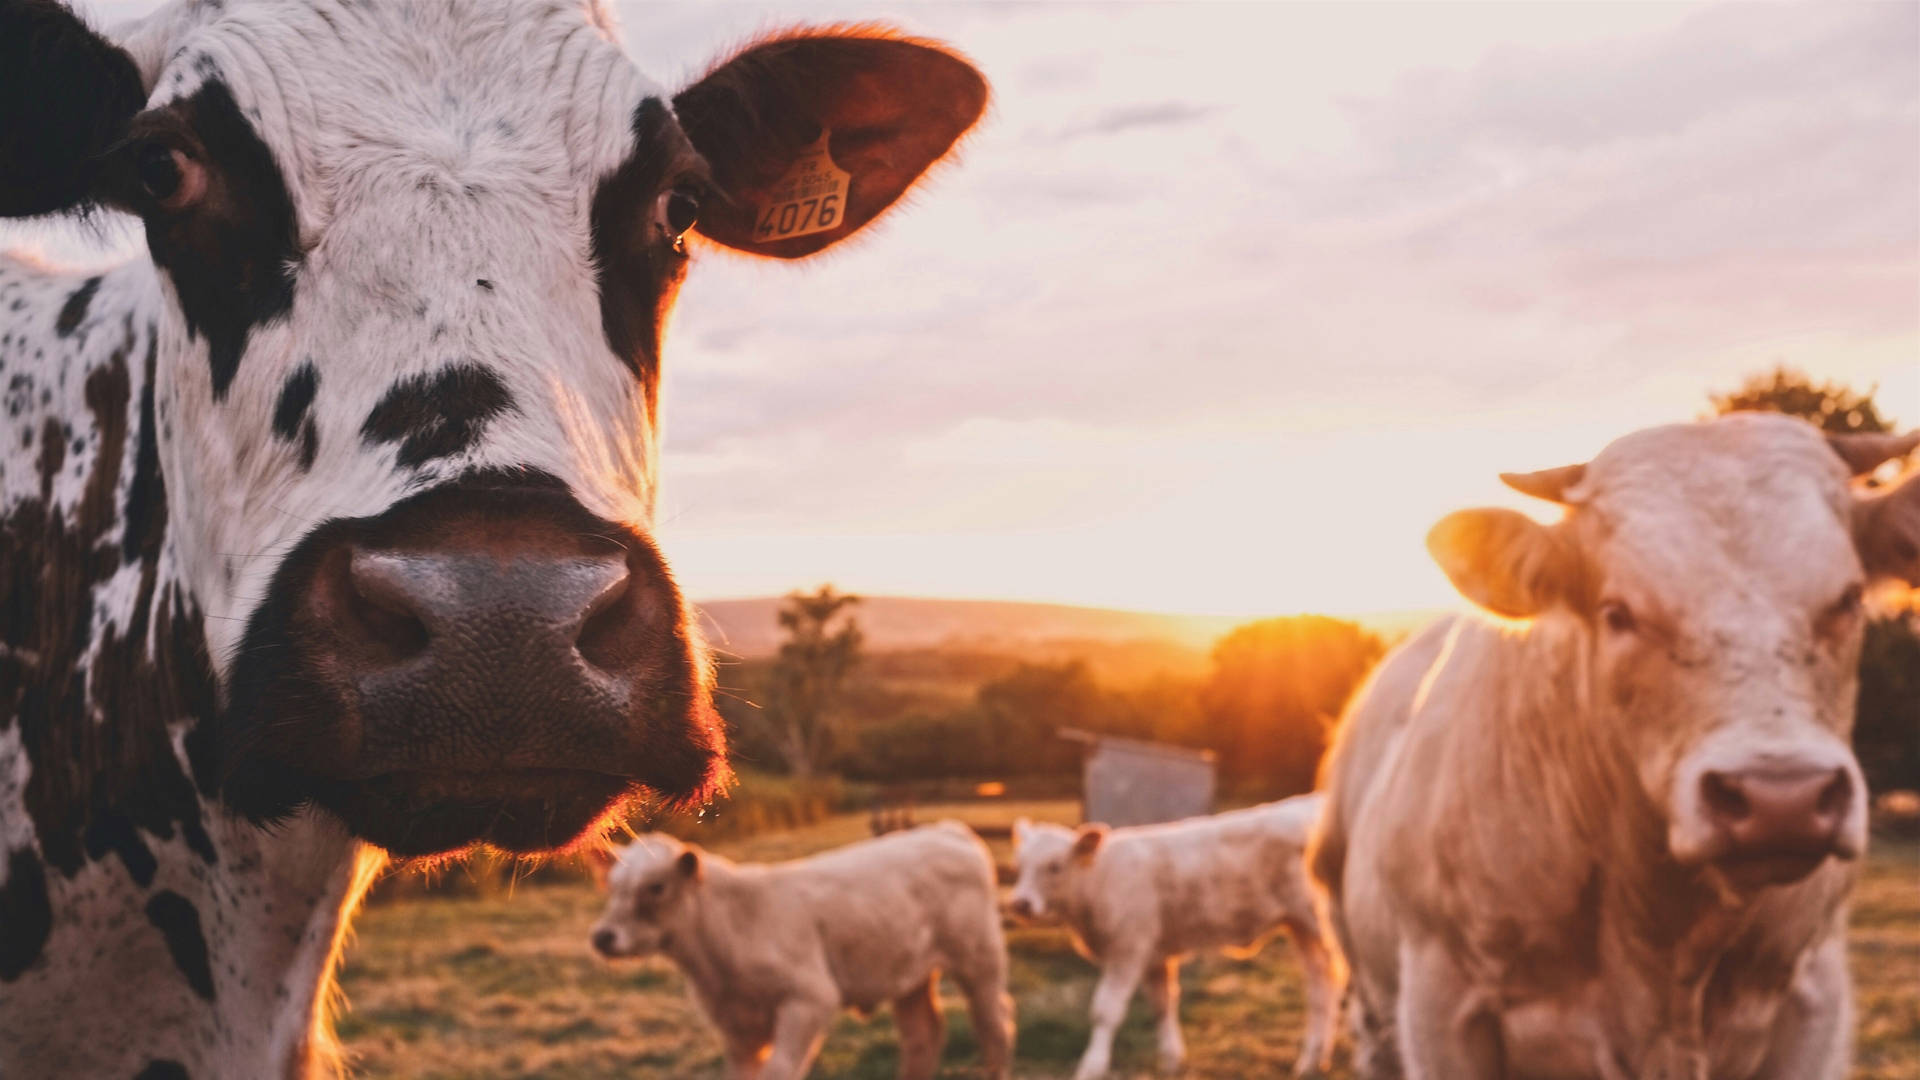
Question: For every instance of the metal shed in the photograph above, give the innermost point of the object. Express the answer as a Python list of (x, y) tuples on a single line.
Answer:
[(1136, 782)]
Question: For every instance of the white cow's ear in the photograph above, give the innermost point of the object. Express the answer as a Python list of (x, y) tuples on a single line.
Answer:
[(689, 864), (1505, 561), (1020, 828), (1087, 842), (599, 858), (1886, 530), (888, 108), (66, 97), (1866, 451)]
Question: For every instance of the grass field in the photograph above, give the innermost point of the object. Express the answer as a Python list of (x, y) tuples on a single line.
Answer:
[(506, 987)]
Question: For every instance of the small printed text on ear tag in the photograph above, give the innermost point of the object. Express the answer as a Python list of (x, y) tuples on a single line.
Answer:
[(811, 198)]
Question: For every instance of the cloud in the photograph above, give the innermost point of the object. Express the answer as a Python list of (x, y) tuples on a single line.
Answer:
[(1161, 114), (1202, 261)]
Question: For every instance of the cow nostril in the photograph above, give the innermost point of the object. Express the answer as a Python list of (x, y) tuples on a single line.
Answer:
[(379, 609), (1723, 797), (608, 636), (603, 942), (1835, 796)]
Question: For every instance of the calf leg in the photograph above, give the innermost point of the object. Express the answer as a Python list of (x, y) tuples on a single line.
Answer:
[(1323, 1000), (744, 1056), (1163, 993), (1118, 979), (798, 1027), (923, 1031), (991, 1010)]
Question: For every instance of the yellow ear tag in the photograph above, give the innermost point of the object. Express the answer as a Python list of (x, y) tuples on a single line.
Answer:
[(811, 198)]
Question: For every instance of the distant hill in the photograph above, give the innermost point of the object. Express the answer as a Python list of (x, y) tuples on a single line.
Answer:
[(747, 627)]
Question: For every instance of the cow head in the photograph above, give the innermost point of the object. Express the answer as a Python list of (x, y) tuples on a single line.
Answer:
[(413, 261), (1712, 575), (1050, 861), (650, 891)]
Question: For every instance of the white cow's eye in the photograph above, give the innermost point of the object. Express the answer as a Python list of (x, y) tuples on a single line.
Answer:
[(656, 888), (1618, 617)]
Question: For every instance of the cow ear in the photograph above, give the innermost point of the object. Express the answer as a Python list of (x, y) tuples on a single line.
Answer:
[(66, 95), (1020, 828), (688, 864), (1087, 842), (1886, 530), (846, 118), (599, 857), (1505, 561), (1866, 451)]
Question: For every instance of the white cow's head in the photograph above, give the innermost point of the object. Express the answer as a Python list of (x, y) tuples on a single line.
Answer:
[(1712, 577), (1051, 861), (414, 259), (651, 891)]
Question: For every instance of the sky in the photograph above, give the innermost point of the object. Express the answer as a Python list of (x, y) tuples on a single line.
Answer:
[(1224, 305)]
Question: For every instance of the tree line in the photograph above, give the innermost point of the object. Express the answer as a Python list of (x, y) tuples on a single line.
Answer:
[(1271, 691)]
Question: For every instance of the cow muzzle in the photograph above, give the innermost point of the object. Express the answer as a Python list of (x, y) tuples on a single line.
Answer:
[(1770, 819), (489, 665)]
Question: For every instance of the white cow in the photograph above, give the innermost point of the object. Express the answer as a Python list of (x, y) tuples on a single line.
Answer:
[(1613, 839), (774, 951), (1138, 899)]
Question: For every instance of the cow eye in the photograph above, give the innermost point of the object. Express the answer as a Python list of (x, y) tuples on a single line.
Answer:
[(1618, 617), (1849, 602), (167, 176), (680, 210), (657, 888)]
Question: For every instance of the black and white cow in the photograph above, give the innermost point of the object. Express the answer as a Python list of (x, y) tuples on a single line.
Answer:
[(324, 529)]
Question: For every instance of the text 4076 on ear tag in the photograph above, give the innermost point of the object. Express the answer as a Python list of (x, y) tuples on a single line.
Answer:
[(811, 198)]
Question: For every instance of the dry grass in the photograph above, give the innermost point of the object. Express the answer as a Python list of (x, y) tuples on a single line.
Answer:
[(506, 987)]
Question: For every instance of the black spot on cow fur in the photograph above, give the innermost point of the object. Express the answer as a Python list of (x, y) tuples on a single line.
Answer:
[(438, 414), (146, 509), (179, 923), (26, 915), (161, 1069), (309, 445), (75, 309), (231, 260), (113, 831), (639, 271), (296, 396), (51, 144), (103, 768)]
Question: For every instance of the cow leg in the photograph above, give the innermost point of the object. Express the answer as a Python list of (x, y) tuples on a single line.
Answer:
[(1447, 1028), (1323, 1000), (1118, 979), (923, 1031), (1811, 1033), (991, 1010), (1163, 993), (799, 1026)]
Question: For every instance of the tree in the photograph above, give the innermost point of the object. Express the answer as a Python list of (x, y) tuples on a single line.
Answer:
[(1886, 732), (1276, 688), (808, 677), (1831, 407)]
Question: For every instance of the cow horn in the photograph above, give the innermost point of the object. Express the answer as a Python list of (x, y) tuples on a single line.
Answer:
[(1549, 484), (1864, 451)]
